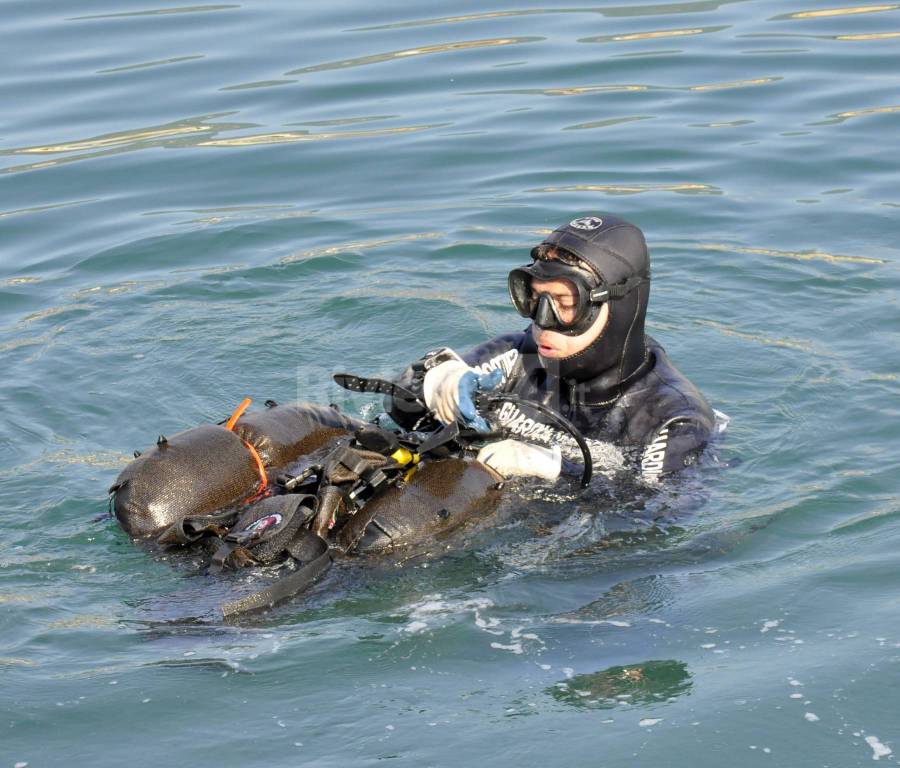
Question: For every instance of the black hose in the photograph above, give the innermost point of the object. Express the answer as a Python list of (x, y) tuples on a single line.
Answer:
[(559, 420)]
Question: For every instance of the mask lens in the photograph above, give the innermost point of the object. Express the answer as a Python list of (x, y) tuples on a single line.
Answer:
[(520, 292)]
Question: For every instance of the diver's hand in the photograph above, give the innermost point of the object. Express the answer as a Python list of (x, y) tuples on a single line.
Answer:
[(512, 458), (449, 389)]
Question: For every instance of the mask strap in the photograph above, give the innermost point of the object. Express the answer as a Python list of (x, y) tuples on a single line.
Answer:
[(617, 291)]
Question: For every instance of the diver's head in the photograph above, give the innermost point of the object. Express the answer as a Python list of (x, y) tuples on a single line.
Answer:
[(586, 293)]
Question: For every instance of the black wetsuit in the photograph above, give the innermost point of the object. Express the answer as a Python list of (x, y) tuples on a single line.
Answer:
[(620, 390), (658, 419)]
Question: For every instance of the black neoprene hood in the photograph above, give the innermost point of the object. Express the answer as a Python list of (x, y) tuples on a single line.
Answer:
[(617, 250)]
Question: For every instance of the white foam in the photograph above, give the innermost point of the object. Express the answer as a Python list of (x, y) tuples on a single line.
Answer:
[(513, 647), (812, 717), (879, 750), (770, 624), (414, 627), (649, 721), (722, 421)]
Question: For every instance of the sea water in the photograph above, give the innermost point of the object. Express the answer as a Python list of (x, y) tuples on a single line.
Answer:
[(204, 202)]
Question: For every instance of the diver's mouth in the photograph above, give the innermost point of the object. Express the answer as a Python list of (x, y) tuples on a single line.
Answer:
[(547, 350)]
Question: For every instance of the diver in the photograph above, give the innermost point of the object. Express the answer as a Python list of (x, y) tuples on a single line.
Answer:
[(585, 355)]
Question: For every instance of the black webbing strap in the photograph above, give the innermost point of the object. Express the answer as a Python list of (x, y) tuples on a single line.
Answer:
[(621, 290), (190, 529), (285, 587)]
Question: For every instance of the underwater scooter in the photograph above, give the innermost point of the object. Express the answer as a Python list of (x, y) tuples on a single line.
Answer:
[(362, 490)]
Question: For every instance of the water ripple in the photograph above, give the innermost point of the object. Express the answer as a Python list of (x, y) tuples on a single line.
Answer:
[(578, 90), (634, 189), (812, 255), (156, 12), (735, 84), (426, 50), (148, 64), (663, 33), (841, 117), (831, 12), (870, 36), (608, 122), (286, 137), (656, 9)]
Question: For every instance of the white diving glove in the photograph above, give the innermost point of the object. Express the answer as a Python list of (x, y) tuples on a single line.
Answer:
[(449, 389), (512, 458)]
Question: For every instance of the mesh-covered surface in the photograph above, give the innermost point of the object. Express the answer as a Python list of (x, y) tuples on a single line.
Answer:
[(196, 472), (284, 433), (441, 495)]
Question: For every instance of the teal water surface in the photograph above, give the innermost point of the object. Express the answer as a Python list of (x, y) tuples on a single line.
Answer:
[(204, 202)]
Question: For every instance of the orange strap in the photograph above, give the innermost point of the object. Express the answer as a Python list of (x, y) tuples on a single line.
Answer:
[(263, 480), (260, 467), (238, 412)]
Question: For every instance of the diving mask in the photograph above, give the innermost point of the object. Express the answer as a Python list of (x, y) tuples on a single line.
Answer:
[(572, 314)]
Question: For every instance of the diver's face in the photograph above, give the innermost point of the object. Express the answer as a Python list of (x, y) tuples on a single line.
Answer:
[(553, 345)]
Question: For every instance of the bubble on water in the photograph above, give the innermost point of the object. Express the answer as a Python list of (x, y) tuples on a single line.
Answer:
[(568, 672), (707, 646), (811, 717), (794, 682), (796, 695), (769, 624), (649, 721)]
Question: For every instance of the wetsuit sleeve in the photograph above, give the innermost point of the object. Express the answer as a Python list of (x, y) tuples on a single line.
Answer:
[(674, 446), (410, 415)]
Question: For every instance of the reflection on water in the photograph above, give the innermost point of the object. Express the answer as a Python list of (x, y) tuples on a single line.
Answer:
[(812, 255), (287, 137), (842, 117), (832, 12), (658, 34), (634, 189), (156, 12), (656, 9), (148, 64), (378, 58), (647, 682)]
